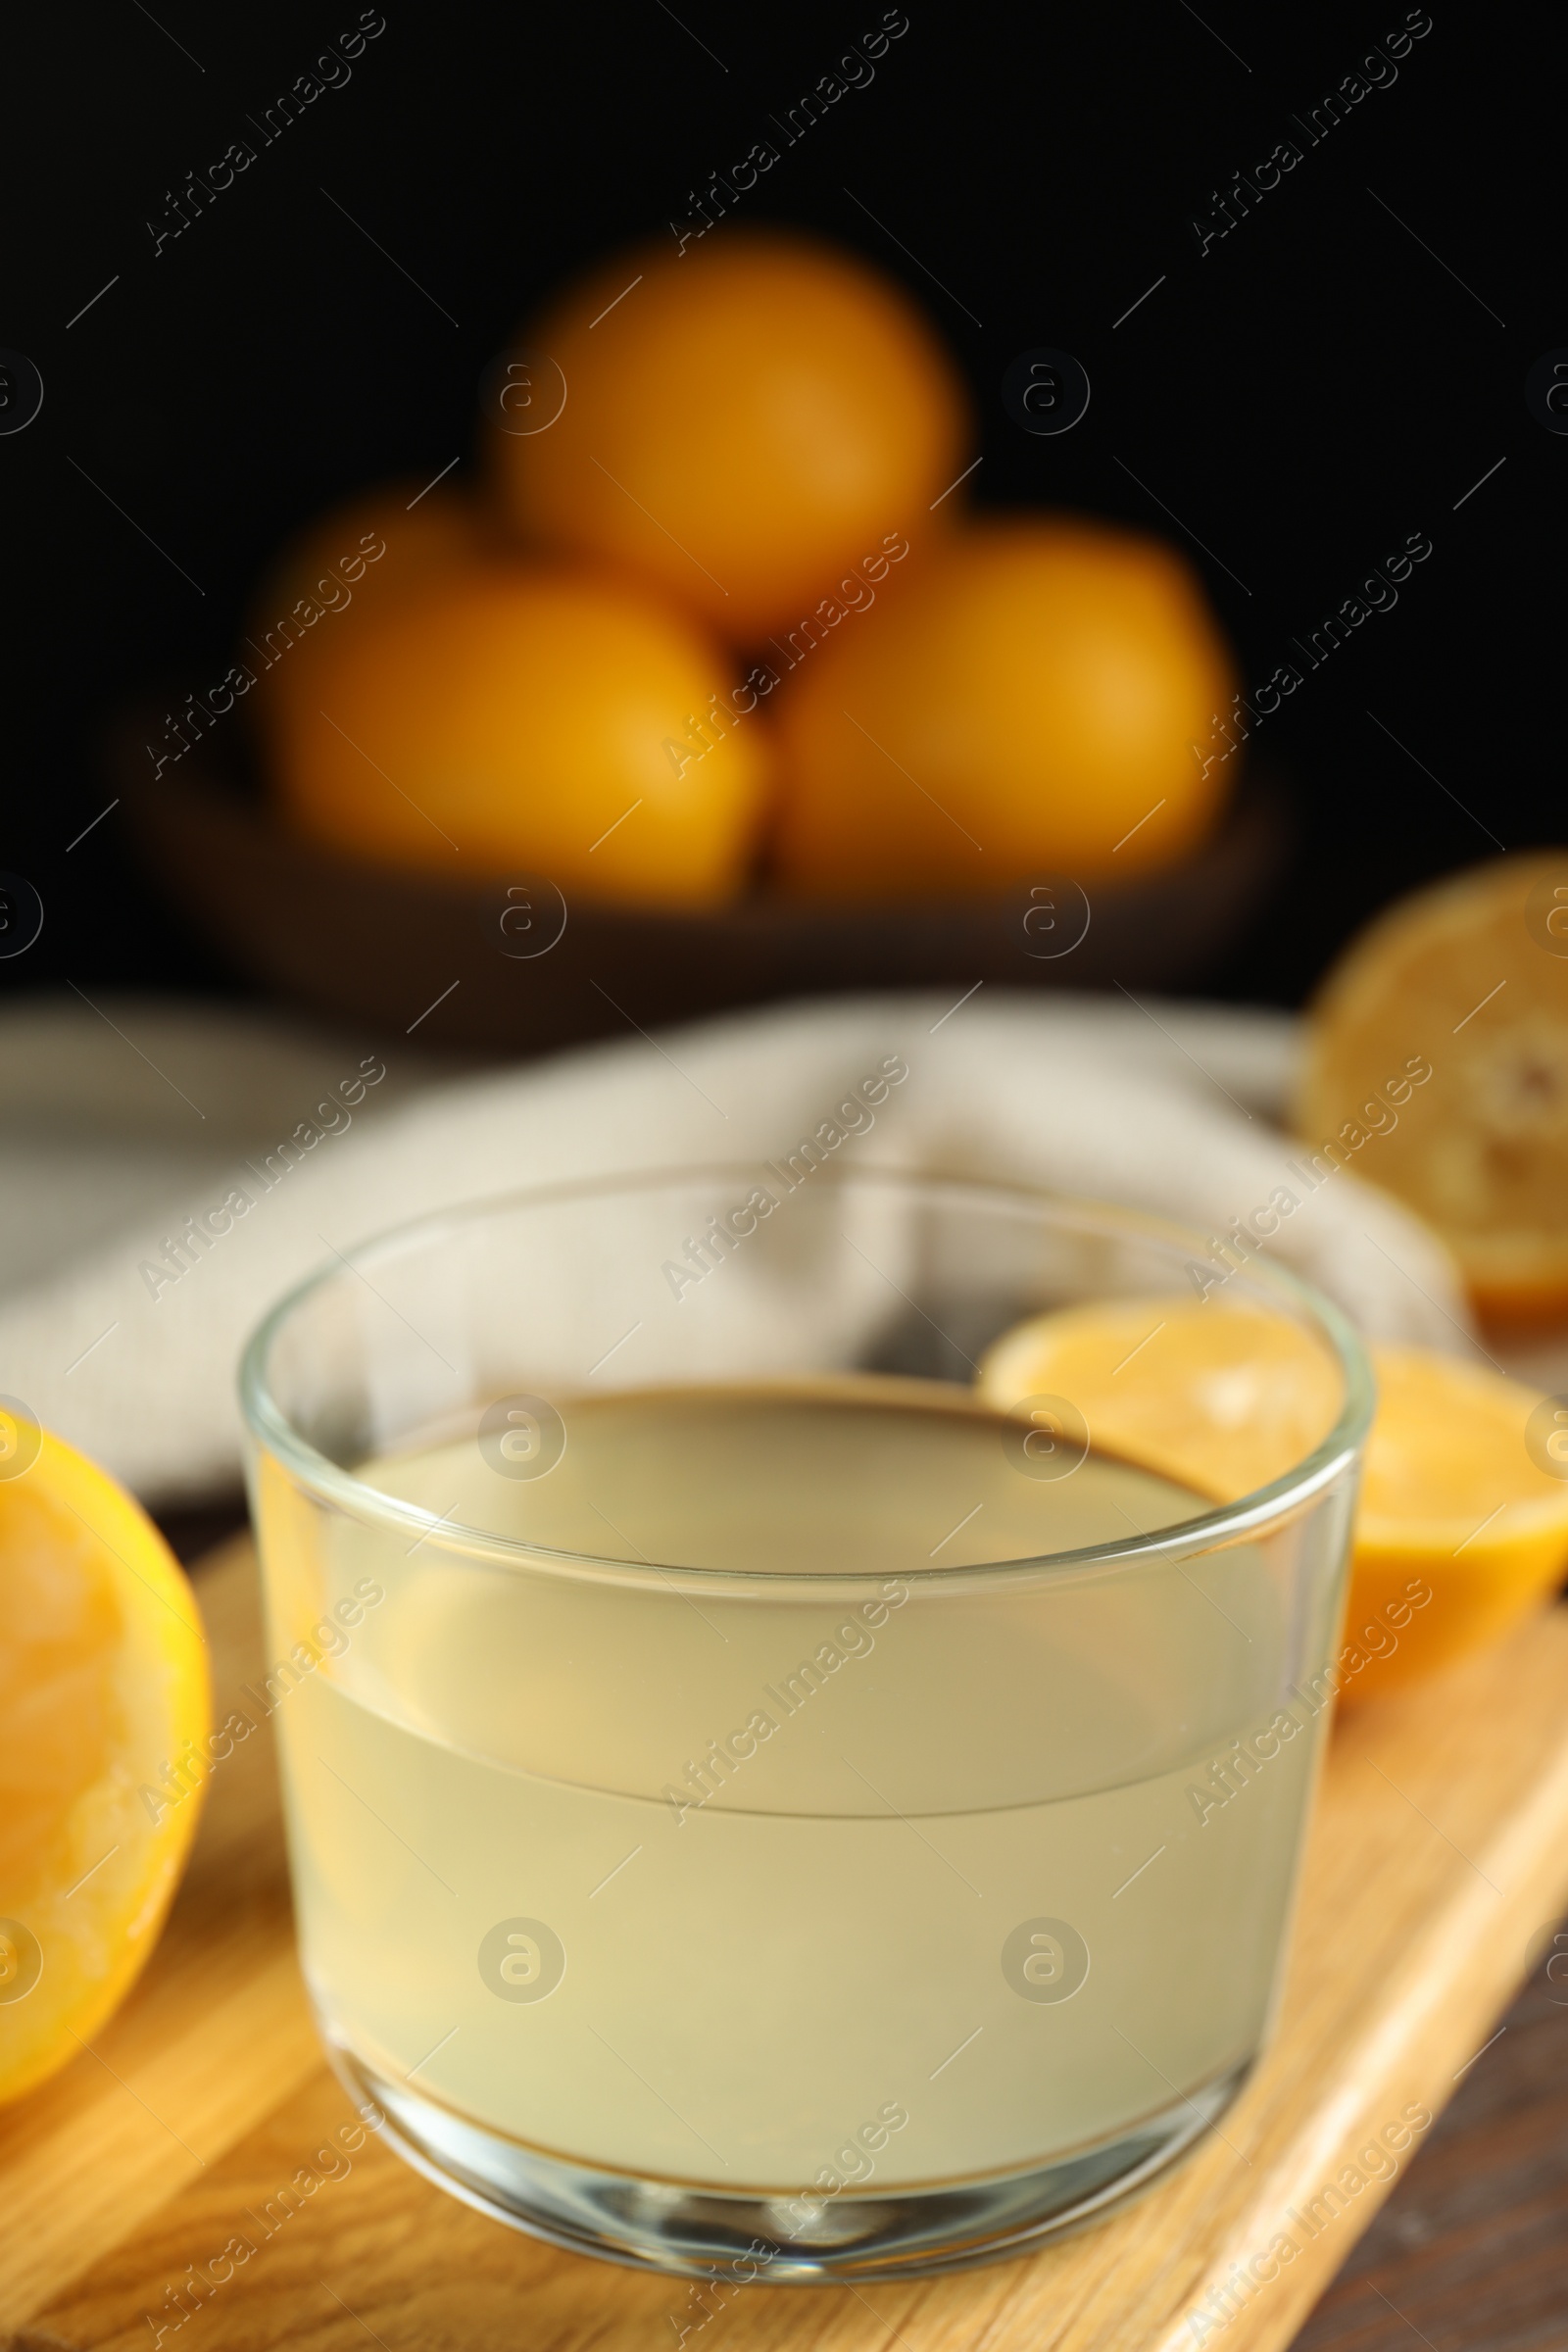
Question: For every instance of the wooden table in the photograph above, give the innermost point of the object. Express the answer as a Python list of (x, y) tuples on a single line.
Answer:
[(1471, 2250), (1439, 1858)]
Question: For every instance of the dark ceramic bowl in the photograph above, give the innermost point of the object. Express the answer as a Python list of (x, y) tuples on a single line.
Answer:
[(506, 963)]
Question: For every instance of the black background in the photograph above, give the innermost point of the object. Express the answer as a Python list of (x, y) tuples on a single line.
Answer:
[(1315, 388)]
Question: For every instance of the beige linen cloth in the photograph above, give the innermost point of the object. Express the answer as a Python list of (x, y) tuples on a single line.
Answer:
[(125, 1117)]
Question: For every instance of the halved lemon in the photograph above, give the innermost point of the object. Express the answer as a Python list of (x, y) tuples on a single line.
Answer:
[(1466, 982), (1462, 1523), (1459, 1500), (103, 1697), (1223, 1397)]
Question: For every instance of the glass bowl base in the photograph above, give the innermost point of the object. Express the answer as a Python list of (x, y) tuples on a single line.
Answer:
[(700, 2232)]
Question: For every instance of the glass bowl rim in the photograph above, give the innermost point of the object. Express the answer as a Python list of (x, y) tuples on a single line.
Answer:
[(1225, 1523)]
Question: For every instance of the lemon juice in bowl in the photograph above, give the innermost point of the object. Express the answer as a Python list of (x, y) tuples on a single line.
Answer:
[(778, 1793)]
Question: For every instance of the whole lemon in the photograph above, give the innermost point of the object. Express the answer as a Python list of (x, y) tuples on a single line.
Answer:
[(343, 564), (744, 420), (1034, 693), (505, 713)]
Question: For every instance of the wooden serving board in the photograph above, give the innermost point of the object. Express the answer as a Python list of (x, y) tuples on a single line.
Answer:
[(1440, 1852)]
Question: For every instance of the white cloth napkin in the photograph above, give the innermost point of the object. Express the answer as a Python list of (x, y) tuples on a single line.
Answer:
[(126, 1118)]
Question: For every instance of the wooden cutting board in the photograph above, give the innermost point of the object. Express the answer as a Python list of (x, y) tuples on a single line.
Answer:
[(1438, 1854)]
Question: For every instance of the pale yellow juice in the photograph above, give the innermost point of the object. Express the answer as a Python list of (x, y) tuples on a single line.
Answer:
[(769, 1883)]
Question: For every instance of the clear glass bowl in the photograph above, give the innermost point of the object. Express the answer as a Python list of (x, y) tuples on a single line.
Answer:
[(716, 1846)]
